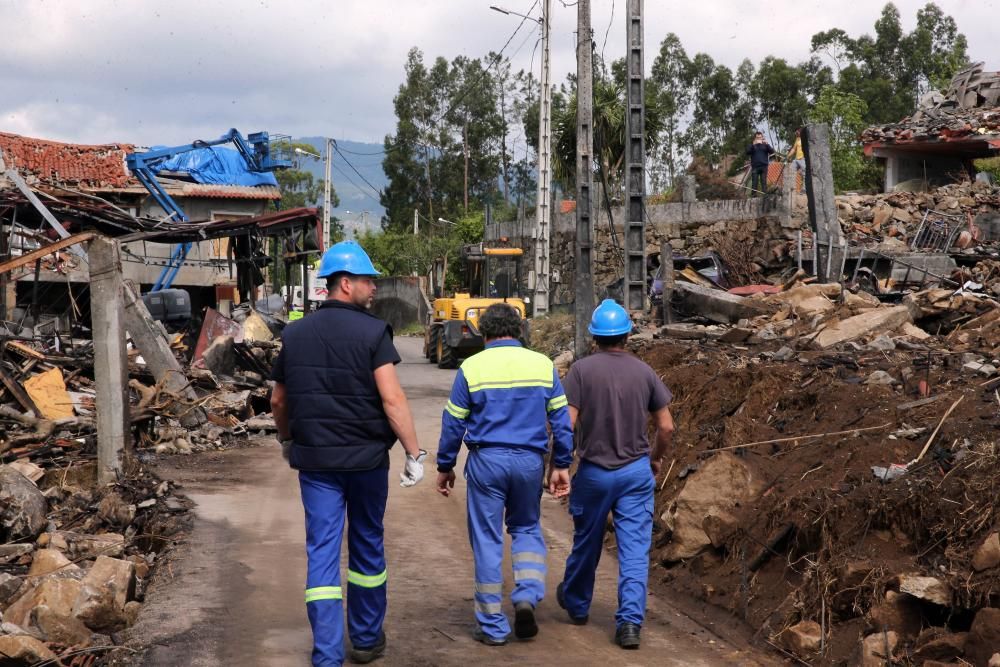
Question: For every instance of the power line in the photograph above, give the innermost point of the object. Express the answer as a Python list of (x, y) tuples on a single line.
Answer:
[(354, 169), (608, 31), (357, 187)]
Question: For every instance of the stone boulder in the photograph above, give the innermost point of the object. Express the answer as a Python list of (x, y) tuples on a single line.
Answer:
[(10, 585), (930, 589), (803, 639), (220, 357), (52, 562), (987, 556), (22, 507), (106, 589), (25, 650), (873, 651), (942, 645), (897, 612), (984, 636), (58, 594), (719, 488), (57, 628)]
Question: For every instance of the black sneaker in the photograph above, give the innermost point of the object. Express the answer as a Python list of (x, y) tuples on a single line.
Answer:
[(561, 599), (627, 636), (480, 636), (364, 655), (525, 626)]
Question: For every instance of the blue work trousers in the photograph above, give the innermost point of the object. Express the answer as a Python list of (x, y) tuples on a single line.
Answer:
[(329, 498), (627, 493), (505, 484)]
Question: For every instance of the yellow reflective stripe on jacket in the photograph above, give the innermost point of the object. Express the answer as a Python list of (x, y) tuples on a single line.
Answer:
[(455, 411), (367, 580), (324, 593), (558, 402), (507, 368)]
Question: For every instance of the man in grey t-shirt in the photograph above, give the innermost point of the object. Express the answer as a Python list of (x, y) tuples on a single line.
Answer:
[(611, 395)]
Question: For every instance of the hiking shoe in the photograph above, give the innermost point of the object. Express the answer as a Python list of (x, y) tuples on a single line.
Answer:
[(561, 599), (480, 636), (627, 636), (364, 655), (525, 626)]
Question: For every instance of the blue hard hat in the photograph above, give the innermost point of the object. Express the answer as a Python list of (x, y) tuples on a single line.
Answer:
[(346, 257), (610, 319)]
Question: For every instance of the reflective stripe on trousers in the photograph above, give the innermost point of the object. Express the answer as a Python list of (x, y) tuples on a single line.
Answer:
[(328, 499), (505, 483)]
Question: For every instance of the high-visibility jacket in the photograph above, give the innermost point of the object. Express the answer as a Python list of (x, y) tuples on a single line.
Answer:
[(505, 396)]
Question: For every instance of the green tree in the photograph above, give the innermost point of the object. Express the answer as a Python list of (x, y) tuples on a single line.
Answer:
[(670, 69), (844, 113)]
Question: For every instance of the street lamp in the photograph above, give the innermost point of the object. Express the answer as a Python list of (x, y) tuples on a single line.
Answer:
[(540, 21), (447, 222), (326, 187)]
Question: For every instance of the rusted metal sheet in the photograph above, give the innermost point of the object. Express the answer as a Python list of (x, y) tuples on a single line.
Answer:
[(216, 324)]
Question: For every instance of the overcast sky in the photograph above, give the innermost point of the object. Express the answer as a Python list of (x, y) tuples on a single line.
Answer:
[(96, 71)]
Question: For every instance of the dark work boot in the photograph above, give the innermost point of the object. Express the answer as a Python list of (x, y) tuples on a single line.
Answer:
[(627, 636), (480, 636), (525, 626), (364, 655), (561, 599)]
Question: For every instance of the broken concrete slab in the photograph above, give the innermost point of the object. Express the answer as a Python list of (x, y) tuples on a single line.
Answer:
[(220, 357), (875, 321), (22, 506), (716, 305)]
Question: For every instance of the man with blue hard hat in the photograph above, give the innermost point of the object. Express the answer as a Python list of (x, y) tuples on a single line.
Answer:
[(501, 403), (339, 408), (611, 394)]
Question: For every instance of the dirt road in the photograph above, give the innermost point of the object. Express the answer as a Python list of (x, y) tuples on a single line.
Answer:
[(233, 596)]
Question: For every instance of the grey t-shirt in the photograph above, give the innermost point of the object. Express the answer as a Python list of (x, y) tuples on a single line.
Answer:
[(614, 393)]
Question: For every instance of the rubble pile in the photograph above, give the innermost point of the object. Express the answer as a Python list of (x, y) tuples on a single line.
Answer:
[(833, 481), (891, 220), (76, 558)]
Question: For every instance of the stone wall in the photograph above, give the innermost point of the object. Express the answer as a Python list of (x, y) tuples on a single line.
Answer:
[(400, 302), (769, 224)]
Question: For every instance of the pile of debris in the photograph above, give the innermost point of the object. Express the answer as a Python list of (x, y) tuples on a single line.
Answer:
[(892, 221), (967, 107), (76, 558)]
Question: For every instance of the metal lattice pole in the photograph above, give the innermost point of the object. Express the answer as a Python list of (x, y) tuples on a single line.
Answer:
[(635, 163)]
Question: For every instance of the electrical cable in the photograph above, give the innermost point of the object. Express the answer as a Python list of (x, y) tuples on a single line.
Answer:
[(608, 31)]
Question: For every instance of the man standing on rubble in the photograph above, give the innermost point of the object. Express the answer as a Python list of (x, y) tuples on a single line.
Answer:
[(339, 408), (760, 153), (500, 403), (611, 394)]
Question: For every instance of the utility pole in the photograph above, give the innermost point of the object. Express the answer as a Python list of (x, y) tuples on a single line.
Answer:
[(465, 152), (584, 176), (543, 204), (635, 162), (416, 221), (326, 196)]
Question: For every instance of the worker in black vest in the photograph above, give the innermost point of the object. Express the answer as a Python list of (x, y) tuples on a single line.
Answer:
[(339, 408), (760, 153)]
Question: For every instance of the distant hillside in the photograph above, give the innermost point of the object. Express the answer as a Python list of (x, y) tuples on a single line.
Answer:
[(358, 201)]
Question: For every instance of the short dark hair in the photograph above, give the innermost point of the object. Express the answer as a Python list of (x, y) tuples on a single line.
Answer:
[(500, 321), (610, 341), (334, 279)]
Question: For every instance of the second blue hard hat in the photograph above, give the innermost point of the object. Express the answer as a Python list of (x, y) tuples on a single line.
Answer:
[(346, 257), (610, 319)]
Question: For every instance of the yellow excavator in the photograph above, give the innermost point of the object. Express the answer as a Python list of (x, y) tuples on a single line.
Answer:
[(493, 275)]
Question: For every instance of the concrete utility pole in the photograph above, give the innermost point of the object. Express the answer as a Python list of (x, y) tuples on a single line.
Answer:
[(543, 200), (465, 153), (110, 356), (326, 195), (635, 162), (828, 237), (584, 176)]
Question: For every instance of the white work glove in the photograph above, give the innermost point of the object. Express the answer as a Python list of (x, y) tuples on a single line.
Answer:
[(286, 448), (414, 471)]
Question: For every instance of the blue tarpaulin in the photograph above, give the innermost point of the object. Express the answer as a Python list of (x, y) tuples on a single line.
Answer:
[(215, 165)]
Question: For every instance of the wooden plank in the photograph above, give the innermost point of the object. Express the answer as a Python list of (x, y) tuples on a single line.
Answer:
[(34, 255), (18, 392)]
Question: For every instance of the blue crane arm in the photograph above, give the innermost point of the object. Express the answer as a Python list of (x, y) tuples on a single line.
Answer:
[(256, 151)]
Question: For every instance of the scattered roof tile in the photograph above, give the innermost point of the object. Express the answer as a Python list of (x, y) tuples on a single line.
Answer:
[(78, 164)]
